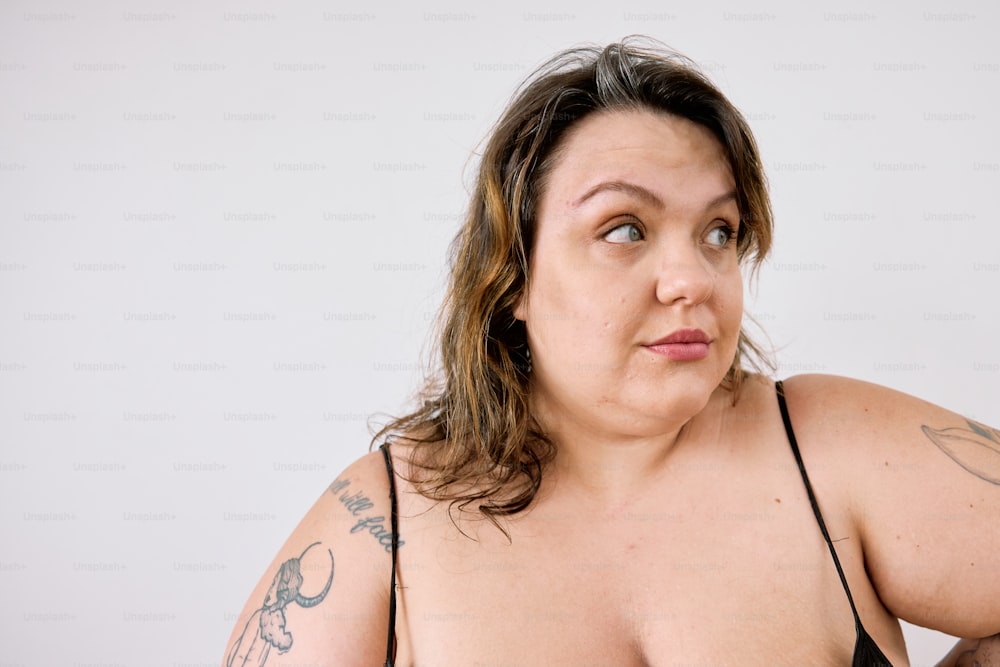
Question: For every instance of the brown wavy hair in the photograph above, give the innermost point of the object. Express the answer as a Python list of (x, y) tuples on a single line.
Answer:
[(474, 440)]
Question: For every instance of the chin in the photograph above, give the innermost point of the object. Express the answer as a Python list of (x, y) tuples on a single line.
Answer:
[(670, 403)]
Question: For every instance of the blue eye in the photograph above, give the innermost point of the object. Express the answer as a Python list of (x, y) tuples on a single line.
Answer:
[(627, 233), (721, 235)]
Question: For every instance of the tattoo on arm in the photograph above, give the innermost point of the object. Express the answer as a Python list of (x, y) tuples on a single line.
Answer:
[(265, 629), (975, 447), (357, 503)]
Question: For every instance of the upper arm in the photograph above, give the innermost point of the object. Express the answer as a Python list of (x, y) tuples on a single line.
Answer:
[(924, 487), (324, 599)]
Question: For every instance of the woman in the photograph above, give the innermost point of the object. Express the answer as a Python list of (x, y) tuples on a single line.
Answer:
[(594, 478)]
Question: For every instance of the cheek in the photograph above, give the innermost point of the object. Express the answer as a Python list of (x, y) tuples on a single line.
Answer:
[(734, 292), (566, 285), (734, 306), (730, 301), (577, 312)]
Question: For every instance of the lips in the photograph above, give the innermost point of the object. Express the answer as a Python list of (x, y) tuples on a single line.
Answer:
[(684, 336), (682, 345)]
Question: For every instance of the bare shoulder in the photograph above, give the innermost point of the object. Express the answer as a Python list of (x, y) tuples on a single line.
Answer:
[(923, 484), (871, 420), (324, 599), (817, 395), (860, 416)]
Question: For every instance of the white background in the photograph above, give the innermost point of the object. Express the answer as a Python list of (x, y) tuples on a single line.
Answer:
[(222, 236)]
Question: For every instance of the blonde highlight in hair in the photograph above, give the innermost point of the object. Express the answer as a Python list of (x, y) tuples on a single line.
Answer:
[(474, 440)]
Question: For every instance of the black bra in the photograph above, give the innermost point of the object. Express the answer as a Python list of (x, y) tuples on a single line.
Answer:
[(866, 651), (390, 644)]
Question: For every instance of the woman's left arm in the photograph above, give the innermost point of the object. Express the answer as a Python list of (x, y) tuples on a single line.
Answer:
[(924, 488)]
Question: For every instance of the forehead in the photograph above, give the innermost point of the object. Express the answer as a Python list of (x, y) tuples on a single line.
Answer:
[(671, 155)]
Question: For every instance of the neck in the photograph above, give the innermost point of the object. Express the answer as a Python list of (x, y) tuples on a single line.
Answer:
[(611, 459)]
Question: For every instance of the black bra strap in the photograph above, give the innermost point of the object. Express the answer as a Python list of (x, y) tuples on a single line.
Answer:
[(812, 500), (390, 645)]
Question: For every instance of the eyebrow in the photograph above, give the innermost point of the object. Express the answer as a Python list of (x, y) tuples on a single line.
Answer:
[(645, 194)]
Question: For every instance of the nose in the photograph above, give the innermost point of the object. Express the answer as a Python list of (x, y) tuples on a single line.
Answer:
[(684, 276)]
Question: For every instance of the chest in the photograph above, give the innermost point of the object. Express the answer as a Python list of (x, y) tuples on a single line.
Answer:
[(719, 568)]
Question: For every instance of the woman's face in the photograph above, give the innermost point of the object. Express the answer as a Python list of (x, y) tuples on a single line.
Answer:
[(635, 294)]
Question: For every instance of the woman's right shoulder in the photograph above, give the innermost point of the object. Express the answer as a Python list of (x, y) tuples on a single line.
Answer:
[(359, 500), (325, 597), (354, 512)]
